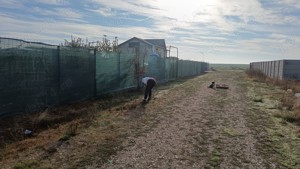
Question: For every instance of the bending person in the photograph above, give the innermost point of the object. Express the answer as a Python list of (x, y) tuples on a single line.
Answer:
[(149, 82)]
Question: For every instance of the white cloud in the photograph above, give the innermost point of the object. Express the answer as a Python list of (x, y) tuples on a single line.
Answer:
[(68, 13), (290, 3), (61, 13), (106, 12), (11, 4), (53, 2), (201, 29), (134, 7), (59, 30)]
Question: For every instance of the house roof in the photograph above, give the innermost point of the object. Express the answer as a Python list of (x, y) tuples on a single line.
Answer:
[(155, 42)]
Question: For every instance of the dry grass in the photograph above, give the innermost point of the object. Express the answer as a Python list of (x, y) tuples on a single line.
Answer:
[(71, 131), (288, 101), (12, 128), (257, 75), (104, 120), (63, 124), (287, 84), (48, 142)]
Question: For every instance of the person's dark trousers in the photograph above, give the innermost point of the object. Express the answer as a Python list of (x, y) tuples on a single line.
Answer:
[(148, 92)]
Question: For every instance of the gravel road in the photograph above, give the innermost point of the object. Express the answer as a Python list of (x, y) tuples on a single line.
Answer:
[(186, 125), (206, 128)]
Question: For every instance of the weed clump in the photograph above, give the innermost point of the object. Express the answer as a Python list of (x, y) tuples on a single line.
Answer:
[(26, 165), (71, 131)]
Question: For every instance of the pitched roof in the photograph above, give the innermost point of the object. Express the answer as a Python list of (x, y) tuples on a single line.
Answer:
[(157, 42), (137, 39)]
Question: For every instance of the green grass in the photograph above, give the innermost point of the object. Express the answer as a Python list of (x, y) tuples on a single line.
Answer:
[(215, 158), (280, 138), (30, 164), (231, 132)]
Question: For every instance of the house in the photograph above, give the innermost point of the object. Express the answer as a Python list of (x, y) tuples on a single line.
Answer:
[(144, 46)]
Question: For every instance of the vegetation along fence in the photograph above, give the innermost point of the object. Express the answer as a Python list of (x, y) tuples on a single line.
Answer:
[(34, 76)]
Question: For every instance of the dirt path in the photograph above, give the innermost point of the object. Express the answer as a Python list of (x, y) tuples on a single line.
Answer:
[(206, 129), (186, 125)]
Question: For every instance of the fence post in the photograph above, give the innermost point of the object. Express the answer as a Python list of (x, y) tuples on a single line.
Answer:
[(95, 72), (137, 66), (119, 69), (177, 68), (58, 74)]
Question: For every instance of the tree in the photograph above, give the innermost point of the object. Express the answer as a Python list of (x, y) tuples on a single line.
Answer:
[(104, 46), (115, 44), (75, 42)]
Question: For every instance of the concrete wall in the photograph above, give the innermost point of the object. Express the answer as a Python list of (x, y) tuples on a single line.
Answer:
[(280, 69), (291, 69)]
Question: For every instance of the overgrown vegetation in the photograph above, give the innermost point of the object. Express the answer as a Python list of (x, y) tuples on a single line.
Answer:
[(257, 75), (104, 45), (12, 128), (70, 131), (290, 105)]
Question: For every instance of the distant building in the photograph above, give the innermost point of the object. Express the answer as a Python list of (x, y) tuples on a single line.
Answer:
[(280, 69), (145, 46)]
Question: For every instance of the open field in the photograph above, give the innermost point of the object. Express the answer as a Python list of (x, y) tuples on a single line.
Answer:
[(186, 125), (216, 66)]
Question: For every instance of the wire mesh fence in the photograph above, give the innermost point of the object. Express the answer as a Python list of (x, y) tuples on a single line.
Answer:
[(34, 76)]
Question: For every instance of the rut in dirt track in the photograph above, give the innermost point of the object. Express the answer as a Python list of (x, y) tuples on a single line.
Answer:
[(205, 129)]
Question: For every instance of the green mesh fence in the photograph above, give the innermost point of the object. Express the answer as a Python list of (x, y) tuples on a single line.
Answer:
[(77, 74), (155, 67), (34, 76), (28, 73), (114, 72), (190, 68), (171, 68), (127, 71)]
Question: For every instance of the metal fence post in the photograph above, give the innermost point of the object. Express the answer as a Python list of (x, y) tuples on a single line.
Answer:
[(119, 69), (137, 66), (95, 72), (58, 74)]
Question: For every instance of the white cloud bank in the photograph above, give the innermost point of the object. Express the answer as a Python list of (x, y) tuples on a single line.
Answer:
[(217, 31)]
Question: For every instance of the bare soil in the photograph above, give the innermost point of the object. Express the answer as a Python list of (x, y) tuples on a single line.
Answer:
[(186, 125)]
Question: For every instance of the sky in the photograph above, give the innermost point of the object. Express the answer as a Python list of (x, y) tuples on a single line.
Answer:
[(214, 31)]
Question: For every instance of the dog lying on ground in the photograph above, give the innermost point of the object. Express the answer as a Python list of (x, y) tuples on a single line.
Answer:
[(212, 85), (220, 86)]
